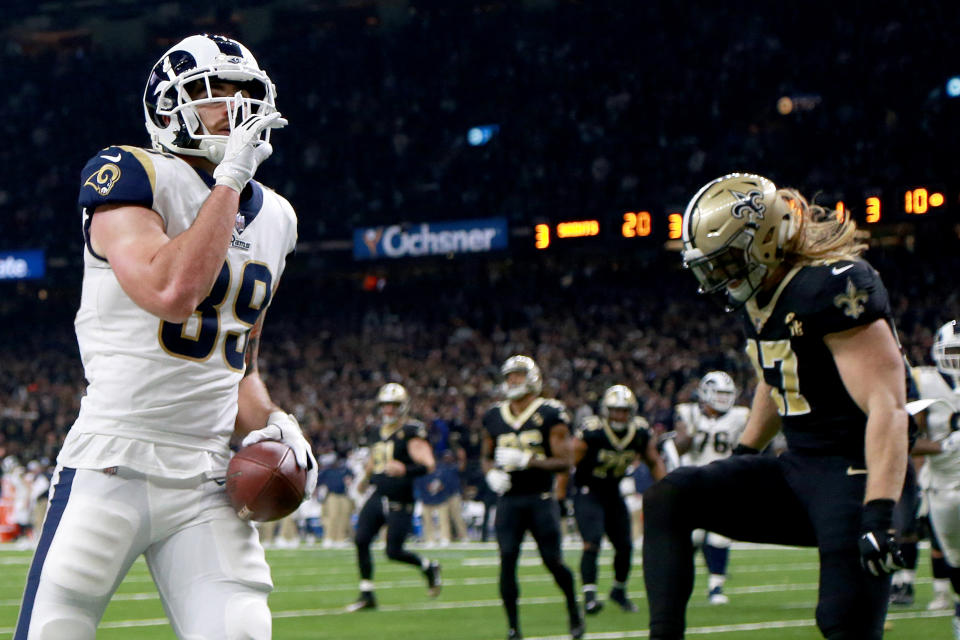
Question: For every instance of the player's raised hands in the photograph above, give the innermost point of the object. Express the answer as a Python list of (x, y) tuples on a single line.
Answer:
[(245, 148)]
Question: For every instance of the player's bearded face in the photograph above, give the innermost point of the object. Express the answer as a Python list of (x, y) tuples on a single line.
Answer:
[(389, 412), (618, 417)]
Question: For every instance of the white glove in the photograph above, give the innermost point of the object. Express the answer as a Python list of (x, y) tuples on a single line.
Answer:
[(245, 150), (511, 459), (498, 481), (285, 428), (628, 486), (951, 443)]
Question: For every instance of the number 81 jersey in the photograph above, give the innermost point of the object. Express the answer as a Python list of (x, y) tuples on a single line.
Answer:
[(162, 382), (785, 343)]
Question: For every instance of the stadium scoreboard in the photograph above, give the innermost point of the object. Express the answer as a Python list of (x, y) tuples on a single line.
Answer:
[(638, 225)]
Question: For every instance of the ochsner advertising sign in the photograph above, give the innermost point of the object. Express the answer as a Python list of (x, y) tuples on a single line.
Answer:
[(430, 238)]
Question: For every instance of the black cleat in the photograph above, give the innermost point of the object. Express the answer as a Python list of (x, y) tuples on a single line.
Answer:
[(620, 597), (434, 581), (514, 634), (366, 602), (592, 606), (902, 594), (577, 627)]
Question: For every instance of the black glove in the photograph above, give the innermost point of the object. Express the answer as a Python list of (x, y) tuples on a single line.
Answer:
[(879, 551), (744, 450)]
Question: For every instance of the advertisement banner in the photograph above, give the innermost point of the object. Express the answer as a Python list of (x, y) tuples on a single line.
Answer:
[(430, 239), (22, 265)]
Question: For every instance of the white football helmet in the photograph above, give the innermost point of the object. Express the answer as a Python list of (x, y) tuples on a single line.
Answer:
[(393, 393), (946, 349), (170, 111), (717, 391), (618, 397), (532, 384), (734, 232)]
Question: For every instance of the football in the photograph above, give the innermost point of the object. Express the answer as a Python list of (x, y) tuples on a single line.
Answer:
[(264, 482)]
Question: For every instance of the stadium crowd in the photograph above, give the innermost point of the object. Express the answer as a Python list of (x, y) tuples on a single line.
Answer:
[(587, 124)]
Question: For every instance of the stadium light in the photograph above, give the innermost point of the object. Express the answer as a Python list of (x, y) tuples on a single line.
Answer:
[(481, 134), (953, 87)]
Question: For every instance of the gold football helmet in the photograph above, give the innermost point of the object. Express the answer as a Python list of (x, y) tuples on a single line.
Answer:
[(533, 380), (395, 394), (618, 397), (734, 232)]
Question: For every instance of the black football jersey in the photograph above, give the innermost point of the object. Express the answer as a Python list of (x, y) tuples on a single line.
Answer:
[(529, 431), (785, 344), (393, 446), (609, 452)]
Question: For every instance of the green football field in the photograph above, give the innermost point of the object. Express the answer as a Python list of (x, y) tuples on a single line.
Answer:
[(771, 590)]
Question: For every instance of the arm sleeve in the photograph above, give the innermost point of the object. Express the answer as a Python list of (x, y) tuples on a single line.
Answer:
[(846, 294), (118, 175)]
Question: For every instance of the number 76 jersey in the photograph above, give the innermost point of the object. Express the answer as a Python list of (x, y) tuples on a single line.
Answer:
[(174, 385), (785, 343), (713, 438)]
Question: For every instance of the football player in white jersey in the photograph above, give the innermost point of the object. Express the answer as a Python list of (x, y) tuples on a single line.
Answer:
[(941, 472), (182, 254), (708, 430)]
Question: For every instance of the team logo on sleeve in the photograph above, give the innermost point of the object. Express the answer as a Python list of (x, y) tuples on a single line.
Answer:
[(852, 300), (103, 179)]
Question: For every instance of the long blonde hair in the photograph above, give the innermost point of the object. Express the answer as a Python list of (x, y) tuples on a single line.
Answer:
[(824, 235)]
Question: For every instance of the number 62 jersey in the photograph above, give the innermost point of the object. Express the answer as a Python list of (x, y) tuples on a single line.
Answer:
[(162, 396)]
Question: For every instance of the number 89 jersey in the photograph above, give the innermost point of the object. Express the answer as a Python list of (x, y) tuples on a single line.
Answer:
[(785, 344), (151, 381), (529, 431)]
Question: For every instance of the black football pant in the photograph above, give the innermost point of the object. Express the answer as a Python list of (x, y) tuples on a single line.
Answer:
[(790, 499), (398, 517), (599, 512), (540, 514)]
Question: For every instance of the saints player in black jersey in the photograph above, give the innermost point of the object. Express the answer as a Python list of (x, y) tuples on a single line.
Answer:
[(830, 375), (527, 441), (402, 454), (603, 449)]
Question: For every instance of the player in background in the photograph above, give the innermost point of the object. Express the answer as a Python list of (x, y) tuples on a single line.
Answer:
[(707, 430), (603, 450), (401, 455), (830, 374), (939, 386), (182, 254), (527, 442)]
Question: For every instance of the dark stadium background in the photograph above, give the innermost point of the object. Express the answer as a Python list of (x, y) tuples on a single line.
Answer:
[(603, 108)]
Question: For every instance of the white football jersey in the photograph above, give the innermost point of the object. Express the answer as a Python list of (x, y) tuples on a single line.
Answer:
[(942, 470), (713, 438), (162, 397)]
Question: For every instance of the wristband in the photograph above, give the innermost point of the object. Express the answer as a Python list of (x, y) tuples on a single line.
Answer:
[(744, 450), (415, 469), (877, 515)]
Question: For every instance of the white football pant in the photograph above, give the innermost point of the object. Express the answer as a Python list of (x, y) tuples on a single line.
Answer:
[(207, 564)]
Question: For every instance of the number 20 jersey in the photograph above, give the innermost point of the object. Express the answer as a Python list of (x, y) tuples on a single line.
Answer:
[(161, 396), (785, 343), (529, 431)]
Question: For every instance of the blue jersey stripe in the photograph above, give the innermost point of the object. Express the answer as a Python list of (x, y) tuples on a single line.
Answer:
[(61, 495)]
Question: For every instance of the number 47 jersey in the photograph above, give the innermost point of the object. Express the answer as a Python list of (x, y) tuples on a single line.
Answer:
[(785, 343), (162, 396)]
